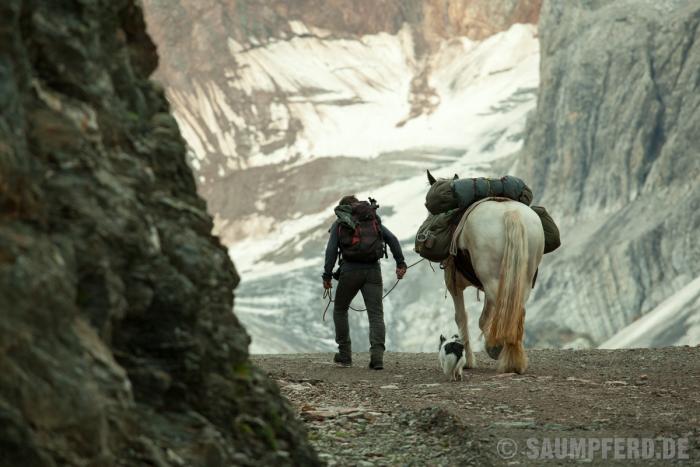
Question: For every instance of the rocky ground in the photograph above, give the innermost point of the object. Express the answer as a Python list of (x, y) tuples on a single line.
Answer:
[(411, 414)]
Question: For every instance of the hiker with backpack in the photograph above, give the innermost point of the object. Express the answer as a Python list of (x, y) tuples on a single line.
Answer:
[(359, 236)]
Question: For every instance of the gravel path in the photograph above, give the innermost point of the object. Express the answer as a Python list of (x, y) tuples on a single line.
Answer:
[(614, 404)]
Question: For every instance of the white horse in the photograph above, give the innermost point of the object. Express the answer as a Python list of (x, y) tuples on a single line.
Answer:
[(505, 241)]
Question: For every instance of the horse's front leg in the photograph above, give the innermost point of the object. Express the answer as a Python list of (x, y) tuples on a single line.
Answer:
[(461, 319), (456, 290)]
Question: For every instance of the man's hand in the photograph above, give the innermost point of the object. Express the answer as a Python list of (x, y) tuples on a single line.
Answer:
[(327, 284), (400, 272)]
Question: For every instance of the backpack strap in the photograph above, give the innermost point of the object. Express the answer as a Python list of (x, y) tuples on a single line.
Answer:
[(340, 252), (378, 223)]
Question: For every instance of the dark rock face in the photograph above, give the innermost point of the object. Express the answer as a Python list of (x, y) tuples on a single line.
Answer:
[(117, 341), (613, 151)]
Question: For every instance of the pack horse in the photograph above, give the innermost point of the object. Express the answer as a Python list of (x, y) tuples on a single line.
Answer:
[(505, 241)]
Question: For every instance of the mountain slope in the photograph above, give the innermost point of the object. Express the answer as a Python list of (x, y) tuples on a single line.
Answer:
[(301, 104), (612, 150), (239, 72), (281, 270), (341, 100), (674, 320)]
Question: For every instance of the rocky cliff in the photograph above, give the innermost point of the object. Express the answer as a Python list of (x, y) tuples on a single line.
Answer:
[(613, 150), (117, 341)]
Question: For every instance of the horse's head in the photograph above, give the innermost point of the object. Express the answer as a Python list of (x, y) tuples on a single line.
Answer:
[(432, 180)]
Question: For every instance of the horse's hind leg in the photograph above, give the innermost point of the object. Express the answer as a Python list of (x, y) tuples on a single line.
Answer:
[(493, 349), (513, 358)]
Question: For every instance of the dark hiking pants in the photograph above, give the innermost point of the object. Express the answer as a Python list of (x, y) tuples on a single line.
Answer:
[(369, 282)]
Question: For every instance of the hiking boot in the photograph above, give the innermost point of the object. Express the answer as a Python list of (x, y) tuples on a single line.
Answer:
[(376, 364), (342, 360)]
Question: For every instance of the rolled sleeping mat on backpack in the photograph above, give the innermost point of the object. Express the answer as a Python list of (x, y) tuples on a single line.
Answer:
[(469, 190), (515, 188)]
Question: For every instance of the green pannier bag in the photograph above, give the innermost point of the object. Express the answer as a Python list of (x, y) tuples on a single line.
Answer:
[(440, 197), (434, 236), (551, 231)]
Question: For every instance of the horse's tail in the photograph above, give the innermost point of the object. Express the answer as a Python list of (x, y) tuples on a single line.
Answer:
[(507, 319)]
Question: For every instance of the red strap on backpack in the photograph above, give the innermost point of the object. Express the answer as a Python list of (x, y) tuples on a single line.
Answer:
[(356, 236)]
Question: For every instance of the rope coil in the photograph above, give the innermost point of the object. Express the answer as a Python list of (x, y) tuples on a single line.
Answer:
[(327, 292)]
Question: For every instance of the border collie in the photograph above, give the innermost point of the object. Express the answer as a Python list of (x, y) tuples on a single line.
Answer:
[(451, 356)]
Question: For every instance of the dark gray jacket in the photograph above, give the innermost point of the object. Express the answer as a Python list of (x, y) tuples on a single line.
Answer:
[(332, 253)]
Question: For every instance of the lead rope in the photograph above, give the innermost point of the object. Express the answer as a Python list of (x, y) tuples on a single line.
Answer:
[(327, 292)]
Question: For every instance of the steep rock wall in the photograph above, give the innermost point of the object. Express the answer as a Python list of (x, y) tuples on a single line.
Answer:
[(117, 341), (613, 150)]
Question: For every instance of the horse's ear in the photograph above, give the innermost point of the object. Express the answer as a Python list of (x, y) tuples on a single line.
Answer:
[(431, 179), (456, 177), (442, 338)]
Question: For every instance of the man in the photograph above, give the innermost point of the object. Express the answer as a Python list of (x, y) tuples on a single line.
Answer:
[(359, 276)]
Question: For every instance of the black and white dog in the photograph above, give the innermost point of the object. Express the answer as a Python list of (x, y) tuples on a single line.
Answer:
[(451, 356)]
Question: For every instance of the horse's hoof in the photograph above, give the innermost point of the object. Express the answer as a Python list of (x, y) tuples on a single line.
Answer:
[(471, 362), (494, 352)]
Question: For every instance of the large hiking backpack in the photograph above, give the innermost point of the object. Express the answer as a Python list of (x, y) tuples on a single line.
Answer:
[(359, 233)]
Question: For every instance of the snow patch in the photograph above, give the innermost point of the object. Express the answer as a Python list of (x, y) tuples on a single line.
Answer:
[(678, 313), (348, 95)]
